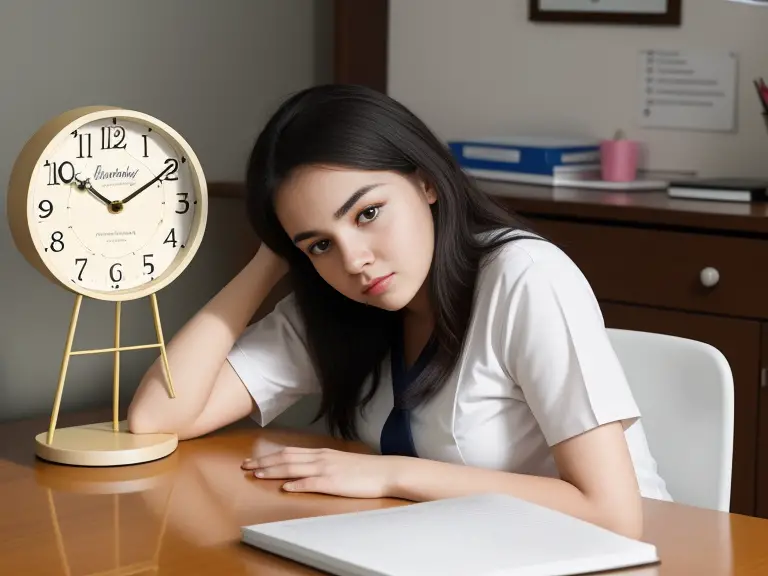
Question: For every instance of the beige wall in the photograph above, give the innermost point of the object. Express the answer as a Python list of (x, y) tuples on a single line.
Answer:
[(212, 70), (480, 67)]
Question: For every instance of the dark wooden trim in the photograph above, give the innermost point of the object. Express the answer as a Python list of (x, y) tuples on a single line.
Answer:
[(673, 17), (641, 214), (360, 35), (226, 189), (642, 208)]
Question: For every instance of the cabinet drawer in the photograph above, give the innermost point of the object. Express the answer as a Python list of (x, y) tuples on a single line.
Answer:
[(687, 271)]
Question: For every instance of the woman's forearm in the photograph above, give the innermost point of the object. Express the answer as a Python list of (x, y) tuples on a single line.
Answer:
[(421, 480), (199, 349)]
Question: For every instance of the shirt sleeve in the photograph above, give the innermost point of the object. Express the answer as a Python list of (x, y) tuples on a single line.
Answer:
[(559, 353), (272, 359)]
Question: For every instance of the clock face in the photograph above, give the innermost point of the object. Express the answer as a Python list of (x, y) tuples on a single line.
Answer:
[(114, 204)]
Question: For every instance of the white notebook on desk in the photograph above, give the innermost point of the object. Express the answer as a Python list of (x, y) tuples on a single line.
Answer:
[(484, 535)]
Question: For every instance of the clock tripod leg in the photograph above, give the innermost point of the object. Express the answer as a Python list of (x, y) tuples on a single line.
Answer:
[(64, 365), (116, 382), (159, 331)]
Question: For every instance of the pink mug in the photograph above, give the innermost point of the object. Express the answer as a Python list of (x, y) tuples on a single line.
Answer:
[(618, 160)]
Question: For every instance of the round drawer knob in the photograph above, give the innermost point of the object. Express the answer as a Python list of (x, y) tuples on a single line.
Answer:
[(709, 276)]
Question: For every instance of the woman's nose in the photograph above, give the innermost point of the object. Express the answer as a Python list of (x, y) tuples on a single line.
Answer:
[(356, 257)]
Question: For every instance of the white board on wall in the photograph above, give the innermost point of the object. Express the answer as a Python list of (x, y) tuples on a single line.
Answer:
[(693, 90)]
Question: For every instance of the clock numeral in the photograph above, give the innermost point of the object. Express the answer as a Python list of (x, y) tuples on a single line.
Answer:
[(57, 241), (84, 261), (144, 136), (116, 272), (46, 207), (148, 264), (108, 133), (83, 139), (171, 174), (171, 238), (61, 174), (184, 202)]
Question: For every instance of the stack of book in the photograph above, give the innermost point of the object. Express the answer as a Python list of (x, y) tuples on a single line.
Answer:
[(534, 160), (723, 189)]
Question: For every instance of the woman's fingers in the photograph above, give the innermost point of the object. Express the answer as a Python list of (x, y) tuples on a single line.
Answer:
[(295, 470), (283, 457)]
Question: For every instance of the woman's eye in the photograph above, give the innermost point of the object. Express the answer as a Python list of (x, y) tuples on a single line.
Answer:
[(319, 247), (368, 214)]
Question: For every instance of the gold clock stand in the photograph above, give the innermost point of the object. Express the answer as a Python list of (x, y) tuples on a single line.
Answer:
[(102, 444)]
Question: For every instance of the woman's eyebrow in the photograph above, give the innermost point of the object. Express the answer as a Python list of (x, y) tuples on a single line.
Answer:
[(352, 200)]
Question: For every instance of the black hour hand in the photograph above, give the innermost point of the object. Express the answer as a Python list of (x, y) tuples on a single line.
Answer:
[(86, 185)]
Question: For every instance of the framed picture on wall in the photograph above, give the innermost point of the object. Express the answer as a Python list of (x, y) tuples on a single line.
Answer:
[(645, 12)]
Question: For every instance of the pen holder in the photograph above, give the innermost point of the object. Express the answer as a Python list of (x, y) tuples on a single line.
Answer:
[(618, 160)]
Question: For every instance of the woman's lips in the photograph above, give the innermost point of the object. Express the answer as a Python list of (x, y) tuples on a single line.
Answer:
[(378, 285)]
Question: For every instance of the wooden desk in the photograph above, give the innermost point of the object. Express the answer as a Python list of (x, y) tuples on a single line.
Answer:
[(182, 514)]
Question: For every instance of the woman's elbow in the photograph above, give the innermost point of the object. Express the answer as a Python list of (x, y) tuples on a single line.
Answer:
[(144, 418), (141, 420), (138, 421), (626, 519)]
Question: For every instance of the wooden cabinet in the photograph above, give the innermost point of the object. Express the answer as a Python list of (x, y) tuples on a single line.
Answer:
[(665, 268), (693, 269), (650, 280)]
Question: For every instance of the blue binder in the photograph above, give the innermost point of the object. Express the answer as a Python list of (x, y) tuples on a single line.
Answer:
[(530, 155)]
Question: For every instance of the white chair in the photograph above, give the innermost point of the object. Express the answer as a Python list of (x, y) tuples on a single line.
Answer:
[(684, 389)]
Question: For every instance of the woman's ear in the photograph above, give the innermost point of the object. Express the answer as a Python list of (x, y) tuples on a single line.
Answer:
[(431, 193), (427, 188)]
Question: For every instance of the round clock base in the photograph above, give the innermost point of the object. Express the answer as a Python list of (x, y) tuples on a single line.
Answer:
[(99, 445)]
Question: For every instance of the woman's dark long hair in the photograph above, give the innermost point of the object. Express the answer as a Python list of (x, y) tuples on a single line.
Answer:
[(359, 128)]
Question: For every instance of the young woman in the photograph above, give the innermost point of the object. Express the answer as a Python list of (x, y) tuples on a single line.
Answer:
[(467, 352)]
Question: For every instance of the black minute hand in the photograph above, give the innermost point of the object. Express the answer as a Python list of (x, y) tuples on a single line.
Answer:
[(147, 185)]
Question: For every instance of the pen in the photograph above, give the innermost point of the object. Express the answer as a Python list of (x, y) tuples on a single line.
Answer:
[(762, 94), (763, 90)]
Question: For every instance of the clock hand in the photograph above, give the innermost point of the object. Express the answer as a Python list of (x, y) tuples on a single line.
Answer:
[(147, 185), (86, 185)]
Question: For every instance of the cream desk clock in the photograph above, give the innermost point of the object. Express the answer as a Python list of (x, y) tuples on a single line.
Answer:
[(110, 204)]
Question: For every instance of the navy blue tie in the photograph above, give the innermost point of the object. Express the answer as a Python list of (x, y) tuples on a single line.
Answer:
[(396, 436)]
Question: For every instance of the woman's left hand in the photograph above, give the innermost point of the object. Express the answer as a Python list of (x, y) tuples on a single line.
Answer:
[(327, 471)]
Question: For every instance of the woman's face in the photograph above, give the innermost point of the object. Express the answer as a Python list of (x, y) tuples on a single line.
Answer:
[(370, 235)]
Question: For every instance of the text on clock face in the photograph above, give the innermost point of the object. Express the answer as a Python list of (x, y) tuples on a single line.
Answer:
[(114, 204)]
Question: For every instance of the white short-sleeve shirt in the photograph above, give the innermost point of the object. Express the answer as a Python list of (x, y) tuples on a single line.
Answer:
[(537, 368)]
